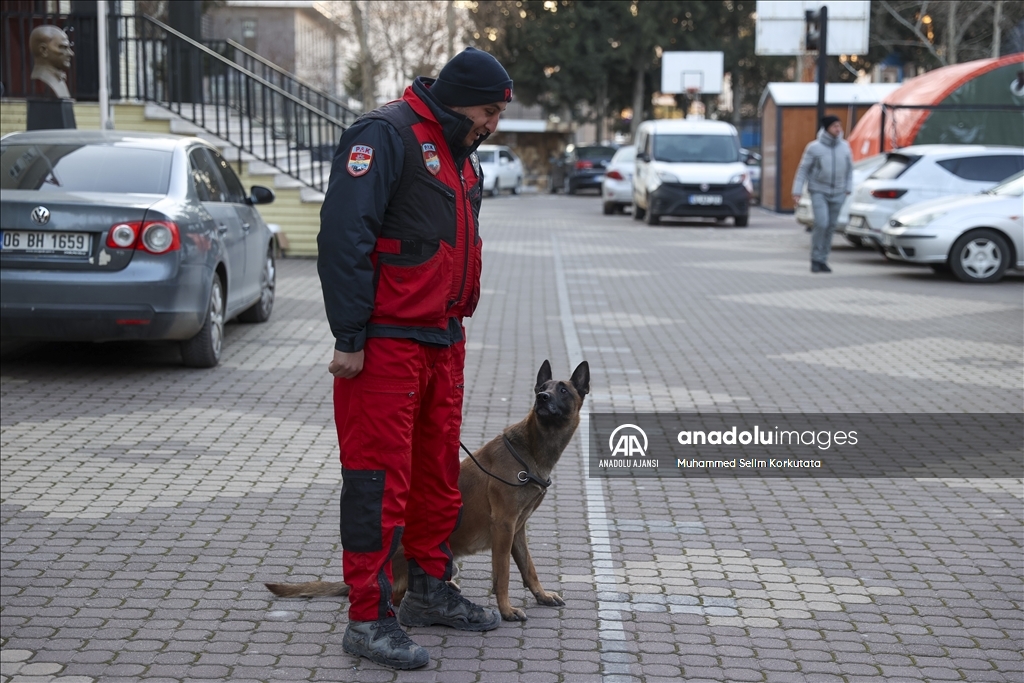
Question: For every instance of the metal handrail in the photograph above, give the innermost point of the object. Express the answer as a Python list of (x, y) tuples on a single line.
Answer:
[(206, 88), (310, 94)]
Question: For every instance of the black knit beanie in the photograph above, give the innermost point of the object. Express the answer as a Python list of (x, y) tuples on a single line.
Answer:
[(472, 77), (827, 121)]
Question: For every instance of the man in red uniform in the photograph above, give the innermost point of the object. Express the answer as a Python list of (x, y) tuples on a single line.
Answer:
[(399, 262)]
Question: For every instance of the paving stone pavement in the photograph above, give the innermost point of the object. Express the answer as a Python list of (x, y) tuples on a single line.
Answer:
[(143, 504)]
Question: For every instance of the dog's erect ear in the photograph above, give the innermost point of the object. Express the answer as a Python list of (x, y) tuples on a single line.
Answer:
[(581, 379), (544, 376)]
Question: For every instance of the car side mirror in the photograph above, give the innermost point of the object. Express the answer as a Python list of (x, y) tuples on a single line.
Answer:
[(261, 195), (643, 156)]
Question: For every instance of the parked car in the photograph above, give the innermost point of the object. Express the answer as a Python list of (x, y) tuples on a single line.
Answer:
[(914, 174), (690, 167), (502, 169), (580, 168), (617, 184), (977, 237), (861, 171), (120, 235), (753, 162)]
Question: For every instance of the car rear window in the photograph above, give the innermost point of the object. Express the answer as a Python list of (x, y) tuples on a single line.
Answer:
[(84, 168), (625, 154), (989, 168), (485, 157), (697, 149), (894, 166), (595, 153)]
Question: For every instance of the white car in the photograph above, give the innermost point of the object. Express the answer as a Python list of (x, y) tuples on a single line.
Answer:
[(502, 169), (617, 184), (861, 171), (976, 236), (926, 172)]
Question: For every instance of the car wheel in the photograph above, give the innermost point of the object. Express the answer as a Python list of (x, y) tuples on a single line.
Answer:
[(496, 188), (259, 312), (608, 208), (203, 350), (740, 221), (518, 187), (980, 256), (652, 218)]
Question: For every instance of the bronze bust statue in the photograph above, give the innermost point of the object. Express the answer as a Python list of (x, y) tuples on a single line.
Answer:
[(51, 52)]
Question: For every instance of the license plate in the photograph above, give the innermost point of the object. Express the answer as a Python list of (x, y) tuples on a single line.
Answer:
[(888, 240), (856, 221), (706, 199), (40, 242)]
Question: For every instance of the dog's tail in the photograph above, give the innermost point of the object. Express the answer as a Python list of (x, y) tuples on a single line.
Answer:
[(310, 589)]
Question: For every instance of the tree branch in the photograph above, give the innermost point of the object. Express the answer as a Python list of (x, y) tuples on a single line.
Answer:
[(915, 29)]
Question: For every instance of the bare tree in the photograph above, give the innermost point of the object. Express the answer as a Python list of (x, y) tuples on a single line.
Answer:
[(950, 31), (400, 40), (369, 97)]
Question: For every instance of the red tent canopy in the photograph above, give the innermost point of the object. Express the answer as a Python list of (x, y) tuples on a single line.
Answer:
[(903, 125)]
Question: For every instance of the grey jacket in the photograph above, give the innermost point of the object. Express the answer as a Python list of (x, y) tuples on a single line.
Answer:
[(826, 166)]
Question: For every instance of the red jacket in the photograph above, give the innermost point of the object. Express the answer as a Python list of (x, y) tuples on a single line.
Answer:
[(399, 243)]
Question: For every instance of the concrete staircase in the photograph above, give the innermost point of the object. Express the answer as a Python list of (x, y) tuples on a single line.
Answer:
[(296, 209)]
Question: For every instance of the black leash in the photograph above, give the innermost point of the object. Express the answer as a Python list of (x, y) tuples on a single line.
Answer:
[(524, 477)]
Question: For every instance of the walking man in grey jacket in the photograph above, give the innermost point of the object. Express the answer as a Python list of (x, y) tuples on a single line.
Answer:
[(827, 168)]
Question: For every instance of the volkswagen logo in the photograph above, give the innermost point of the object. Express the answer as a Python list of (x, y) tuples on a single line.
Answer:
[(41, 215), (704, 187)]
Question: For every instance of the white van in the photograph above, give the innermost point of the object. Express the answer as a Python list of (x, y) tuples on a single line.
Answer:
[(690, 167)]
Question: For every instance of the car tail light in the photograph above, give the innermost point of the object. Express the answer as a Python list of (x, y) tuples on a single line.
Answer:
[(156, 237), (160, 236), (123, 236), (888, 194), (581, 165), (615, 175)]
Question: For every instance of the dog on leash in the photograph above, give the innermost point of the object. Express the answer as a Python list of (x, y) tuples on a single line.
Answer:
[(502, 484)]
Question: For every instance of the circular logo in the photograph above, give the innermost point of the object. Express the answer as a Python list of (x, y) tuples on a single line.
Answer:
[(41, 215), (628, 444), (704, 187)]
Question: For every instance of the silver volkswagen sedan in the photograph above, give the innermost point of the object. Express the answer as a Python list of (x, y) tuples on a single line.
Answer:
[(110, 235)]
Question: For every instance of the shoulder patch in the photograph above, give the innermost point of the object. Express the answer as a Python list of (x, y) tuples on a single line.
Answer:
[(430, 158), (359, 159)]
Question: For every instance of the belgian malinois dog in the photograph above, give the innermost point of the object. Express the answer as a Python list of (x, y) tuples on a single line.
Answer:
[(501, 485)]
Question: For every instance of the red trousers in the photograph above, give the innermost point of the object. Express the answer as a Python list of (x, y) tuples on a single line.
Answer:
[(398, 427)]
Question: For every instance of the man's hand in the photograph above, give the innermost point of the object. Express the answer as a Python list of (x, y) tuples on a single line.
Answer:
[(796, 199), (346, 365)]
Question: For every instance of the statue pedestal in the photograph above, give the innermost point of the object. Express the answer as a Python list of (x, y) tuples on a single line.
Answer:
[(46, 114)]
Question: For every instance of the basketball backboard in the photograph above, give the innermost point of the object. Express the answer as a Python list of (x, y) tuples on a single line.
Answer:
[(781, 26), (688, 71)]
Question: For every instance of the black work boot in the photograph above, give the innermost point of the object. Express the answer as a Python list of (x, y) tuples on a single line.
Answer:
[(383, 641), (430, 601)]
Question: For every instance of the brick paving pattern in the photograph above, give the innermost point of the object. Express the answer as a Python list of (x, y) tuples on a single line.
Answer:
[(143, 504)]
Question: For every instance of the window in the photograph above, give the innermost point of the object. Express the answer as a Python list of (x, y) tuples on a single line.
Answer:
[(987, 168), (485, 157), (707, 149), (249, 34), (235, 191), (72, 168), (205, 177), (894, 167), (505, 157)]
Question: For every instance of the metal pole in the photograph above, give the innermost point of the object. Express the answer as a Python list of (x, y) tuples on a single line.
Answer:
[(822, 60), (104, 55)]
